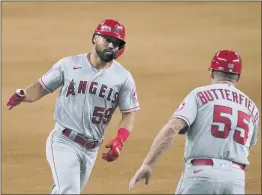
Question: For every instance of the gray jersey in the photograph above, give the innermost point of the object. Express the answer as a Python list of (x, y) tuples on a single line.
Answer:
[(223, 123), (89, 97)]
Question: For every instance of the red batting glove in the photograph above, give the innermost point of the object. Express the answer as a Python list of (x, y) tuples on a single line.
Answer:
[(116, 145), (16, 98)]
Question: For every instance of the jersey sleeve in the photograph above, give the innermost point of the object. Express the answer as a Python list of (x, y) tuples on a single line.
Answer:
[(128, 100), (187, 109), (254, 136), (53, 79)]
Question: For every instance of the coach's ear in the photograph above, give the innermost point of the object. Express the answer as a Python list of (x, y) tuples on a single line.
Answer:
[(238, 77), (212, 74)]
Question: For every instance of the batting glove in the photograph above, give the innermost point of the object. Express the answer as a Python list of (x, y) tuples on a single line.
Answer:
[(115, 146), (16, 98)]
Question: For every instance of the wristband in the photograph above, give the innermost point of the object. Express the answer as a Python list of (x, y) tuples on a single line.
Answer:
[(20, 93), (123, 134)]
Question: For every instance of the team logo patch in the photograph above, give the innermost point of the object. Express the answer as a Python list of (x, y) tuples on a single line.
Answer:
[(117, 28), (135, 96), (181, 106)]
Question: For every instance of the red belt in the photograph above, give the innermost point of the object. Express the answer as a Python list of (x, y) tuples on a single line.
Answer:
[(210, 162), (81, 140)]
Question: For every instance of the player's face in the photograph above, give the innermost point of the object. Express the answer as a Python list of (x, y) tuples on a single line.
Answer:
[(106, 47)]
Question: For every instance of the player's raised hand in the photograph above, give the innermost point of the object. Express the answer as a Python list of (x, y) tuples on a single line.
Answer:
[(115, 146), (144, 172), (16, 98)]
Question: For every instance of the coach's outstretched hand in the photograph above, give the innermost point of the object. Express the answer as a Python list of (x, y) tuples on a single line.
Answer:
[(115, 146), (144, 172), (16, 98)]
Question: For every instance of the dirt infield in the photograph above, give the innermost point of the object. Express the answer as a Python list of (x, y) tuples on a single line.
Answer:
[(169, 48)]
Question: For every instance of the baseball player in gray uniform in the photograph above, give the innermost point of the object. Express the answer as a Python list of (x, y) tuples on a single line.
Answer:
[(92, 85), (220, 123)]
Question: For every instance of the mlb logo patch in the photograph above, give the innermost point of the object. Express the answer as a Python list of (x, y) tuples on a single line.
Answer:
[(231, 66)]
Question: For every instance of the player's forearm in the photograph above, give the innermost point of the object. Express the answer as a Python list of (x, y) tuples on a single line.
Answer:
[(34, 92), (163, 141), (125, 126), (127, 121)]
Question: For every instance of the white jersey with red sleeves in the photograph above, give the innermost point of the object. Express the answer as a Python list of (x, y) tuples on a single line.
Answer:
[(89, 97), (223, 123)]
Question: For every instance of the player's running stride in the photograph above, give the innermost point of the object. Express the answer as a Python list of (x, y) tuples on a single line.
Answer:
[(92, 85)]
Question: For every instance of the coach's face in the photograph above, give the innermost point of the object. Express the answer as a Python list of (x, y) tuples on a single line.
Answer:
[(106, 47)]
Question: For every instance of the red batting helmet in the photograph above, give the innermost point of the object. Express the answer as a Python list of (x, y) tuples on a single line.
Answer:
[(112, 28), (227, 61)]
